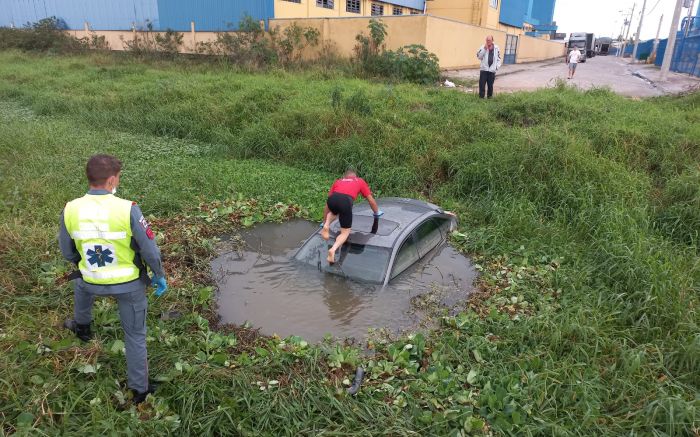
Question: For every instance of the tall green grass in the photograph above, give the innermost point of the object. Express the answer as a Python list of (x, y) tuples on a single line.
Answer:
[(584, 205)]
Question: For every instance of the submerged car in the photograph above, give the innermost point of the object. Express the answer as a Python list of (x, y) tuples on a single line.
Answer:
[(379, 249)]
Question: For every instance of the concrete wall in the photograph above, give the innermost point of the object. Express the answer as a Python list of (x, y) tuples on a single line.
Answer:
[(532, 49), (340, 33), (117, 38), (454, 43)]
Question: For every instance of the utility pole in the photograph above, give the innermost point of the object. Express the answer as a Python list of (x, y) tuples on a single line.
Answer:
[(656, 41), (639, 30), (627, 34), (668, 56), (690, 14)]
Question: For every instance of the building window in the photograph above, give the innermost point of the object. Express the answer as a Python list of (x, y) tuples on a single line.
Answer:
[(328, 4), (352, 6), (493, 4), (397, 11), (377, 9), (292, 1), (415, 12)]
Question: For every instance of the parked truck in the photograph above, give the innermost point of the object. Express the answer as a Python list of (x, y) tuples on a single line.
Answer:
[(577, 40), (590, 45), (602, 45)]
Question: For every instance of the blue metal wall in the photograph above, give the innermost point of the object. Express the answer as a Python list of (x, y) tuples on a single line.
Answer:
[(535, 12), (101, 14), (513, 12), (210, 15), (543, 11)]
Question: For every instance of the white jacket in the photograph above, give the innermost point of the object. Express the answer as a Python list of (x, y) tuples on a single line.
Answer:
[(483, 55)]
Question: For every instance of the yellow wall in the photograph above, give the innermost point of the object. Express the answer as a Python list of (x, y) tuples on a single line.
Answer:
[(532, 49), (309, 9), (465, 11), (340, 34), (454, 43), (476, 12)]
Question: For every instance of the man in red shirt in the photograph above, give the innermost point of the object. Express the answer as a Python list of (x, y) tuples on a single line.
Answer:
[(339, 205)]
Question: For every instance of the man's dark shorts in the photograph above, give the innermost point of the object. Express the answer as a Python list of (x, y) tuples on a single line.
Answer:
[(341, 205)]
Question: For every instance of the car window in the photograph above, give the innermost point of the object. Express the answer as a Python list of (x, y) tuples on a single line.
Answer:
[(428, 236), (356, 261), (444, 226), (407, 255)]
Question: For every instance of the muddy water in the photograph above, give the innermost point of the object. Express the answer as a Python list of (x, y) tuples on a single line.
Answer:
[(261, 284)]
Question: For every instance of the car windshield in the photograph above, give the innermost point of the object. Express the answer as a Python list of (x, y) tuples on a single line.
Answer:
[(356, 261)]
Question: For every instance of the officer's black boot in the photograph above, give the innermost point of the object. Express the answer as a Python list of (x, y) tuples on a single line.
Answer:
[(83, 332), (140, 397)]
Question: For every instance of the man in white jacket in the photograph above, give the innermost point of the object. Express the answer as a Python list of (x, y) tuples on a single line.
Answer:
[(490, 56)]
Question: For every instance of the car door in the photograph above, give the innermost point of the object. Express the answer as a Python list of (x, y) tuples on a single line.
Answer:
[(405, 257), (428, 236)]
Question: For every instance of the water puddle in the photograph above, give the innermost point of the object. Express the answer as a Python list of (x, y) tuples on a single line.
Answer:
[(261, 284)]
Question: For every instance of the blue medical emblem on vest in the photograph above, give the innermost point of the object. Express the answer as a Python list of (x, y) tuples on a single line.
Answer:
[(100, 256)]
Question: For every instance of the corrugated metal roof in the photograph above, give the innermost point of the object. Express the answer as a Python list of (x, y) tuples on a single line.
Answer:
[(414, 4), (211, 15)]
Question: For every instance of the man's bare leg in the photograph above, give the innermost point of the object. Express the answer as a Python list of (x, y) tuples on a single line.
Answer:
[(339, 241), (326, 231)]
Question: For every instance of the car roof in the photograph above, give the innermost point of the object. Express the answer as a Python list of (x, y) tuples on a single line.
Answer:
[(400, 214)]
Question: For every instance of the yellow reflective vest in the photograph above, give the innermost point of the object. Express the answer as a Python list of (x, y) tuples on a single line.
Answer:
[(100, 226)]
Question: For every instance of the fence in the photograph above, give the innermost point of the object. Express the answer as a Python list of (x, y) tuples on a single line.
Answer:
[(686, 56)]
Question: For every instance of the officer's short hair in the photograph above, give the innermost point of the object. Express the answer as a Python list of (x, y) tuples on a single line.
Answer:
[(100, 167)]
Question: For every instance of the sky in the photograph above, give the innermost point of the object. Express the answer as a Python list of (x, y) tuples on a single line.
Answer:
[(603, 17)]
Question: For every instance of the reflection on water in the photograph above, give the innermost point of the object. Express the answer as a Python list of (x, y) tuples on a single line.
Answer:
[(261, 284)]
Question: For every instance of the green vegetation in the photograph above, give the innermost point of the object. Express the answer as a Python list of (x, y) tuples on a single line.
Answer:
[(586, 233)]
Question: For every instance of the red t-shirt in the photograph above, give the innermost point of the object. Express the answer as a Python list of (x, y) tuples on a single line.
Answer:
[(351, 186)]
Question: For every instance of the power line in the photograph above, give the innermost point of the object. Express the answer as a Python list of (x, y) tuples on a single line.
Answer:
[(653, 7)]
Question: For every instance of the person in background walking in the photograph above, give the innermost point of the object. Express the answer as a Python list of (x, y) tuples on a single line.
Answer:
[(490, 56), (574, 57), (110, 242)]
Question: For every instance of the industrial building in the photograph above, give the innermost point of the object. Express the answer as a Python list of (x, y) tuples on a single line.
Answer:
[(452, 29)]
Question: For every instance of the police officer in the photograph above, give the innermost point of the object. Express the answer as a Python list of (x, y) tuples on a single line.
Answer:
[(109, 240)]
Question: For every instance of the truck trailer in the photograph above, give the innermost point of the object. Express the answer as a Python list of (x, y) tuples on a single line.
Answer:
[(602, 45), (590, 45)]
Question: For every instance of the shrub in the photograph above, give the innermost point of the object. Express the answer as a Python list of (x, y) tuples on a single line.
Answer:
[(150, 43), (45, 35), (251, 46), (292, 42), (413, 63)]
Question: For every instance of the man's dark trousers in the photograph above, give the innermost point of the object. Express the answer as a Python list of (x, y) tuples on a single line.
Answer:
[(486, 78)]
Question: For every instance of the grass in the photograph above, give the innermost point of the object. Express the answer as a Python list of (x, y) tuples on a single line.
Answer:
[(581, 209)]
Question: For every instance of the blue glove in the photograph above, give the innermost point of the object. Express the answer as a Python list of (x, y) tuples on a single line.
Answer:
[(160, 284), (378, 214)]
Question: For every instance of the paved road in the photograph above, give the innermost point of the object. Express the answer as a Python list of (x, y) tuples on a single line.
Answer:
[(631, 80), (596, 72)]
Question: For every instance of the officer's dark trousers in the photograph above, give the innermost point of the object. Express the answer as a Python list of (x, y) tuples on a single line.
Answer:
[(132, 313), (486, 78)]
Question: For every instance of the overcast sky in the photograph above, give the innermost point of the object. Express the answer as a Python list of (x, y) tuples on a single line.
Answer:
[(603, 18)]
